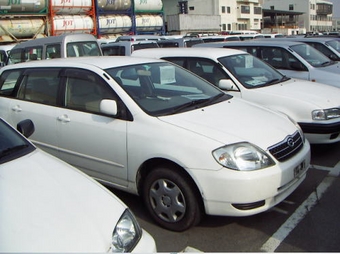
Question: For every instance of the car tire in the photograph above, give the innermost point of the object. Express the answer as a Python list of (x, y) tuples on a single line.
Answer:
[(172, 199)]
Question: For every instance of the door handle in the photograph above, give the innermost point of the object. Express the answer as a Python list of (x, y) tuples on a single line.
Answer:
[(17, 108), (64, 119)]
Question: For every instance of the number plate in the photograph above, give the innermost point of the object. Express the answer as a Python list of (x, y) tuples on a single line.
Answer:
[(299, 169)]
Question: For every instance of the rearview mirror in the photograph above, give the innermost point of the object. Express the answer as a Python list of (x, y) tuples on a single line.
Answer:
[(26, 127)]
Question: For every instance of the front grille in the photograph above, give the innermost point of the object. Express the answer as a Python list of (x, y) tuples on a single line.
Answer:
[(287, 148)]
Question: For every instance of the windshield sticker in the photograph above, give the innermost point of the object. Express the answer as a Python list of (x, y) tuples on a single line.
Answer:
[(249, 62), (167, 74)]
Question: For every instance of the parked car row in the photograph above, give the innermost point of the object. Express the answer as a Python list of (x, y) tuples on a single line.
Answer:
[(194, 131), (154, 129)]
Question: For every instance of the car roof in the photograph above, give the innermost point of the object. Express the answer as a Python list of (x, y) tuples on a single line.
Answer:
[(189, 52), (310, 39), (258, 42), (102, 62)]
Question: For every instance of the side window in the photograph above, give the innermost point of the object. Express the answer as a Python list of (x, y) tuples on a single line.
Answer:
[(84, 91), (40, 85), (53, 51), (32, 54), (274, 57), (207, 69), (7, 82)]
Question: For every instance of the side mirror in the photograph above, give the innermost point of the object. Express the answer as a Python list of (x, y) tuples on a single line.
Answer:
[(333, 57), (26, 127), (227, 84), (297, 66), (108, 107)]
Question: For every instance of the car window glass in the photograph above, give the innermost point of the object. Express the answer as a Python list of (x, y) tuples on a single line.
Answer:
[(251, 71), (84, 91), (113, 50), (8, 81), (32, 54), (310, 54), (40, 86), (160, 88), (206, 69), (53, 51)]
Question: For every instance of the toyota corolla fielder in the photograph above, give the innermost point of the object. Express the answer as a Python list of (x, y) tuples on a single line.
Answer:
[(152, 128)]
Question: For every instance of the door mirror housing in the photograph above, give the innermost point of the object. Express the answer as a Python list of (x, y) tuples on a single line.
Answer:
[(109, 107), (227, 85)]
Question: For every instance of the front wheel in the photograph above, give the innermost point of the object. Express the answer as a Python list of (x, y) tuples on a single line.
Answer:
[(171, 198)]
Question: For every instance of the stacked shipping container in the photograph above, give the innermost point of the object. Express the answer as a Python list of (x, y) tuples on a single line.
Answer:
[(22, 20)]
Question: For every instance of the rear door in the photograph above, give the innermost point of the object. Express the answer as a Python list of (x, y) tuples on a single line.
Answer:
[(33, 96)]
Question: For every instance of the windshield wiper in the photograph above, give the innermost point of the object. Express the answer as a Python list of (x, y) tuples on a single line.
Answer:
[(273, 81), (13, 149)]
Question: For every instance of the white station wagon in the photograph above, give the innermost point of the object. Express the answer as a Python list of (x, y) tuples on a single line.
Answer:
[(48, 206), (152, 128), (315, 107)]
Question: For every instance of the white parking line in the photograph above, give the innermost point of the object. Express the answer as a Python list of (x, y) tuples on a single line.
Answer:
[(275, 240)]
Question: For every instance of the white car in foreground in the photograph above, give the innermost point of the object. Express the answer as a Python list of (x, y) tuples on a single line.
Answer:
[(49, 206), (151, 128), (314, 106)]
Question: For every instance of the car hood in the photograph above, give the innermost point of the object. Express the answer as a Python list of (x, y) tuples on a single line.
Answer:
[(328, 74), (47, 206), (294, 92), (235, 121)]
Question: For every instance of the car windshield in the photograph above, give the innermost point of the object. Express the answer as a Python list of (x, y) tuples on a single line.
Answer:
[(312, 55), (12, 145), (250, 71), (334, 44), (163, 88)]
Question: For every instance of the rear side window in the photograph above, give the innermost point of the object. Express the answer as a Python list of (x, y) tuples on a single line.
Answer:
[(40, 86), (8, 81)]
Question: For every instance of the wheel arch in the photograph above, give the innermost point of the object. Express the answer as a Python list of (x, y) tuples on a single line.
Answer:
[(150, 164)]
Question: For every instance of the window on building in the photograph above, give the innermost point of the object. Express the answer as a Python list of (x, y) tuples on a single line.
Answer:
[(229, 27), (223, 9), (228, 9), (257, 10), (245, 9), (272, 7), (192, 8), (291, 7)]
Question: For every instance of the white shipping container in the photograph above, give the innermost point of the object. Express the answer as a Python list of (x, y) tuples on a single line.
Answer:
[(149, 23), (114, 5), (71, 6), (22, 28), (111, 24), (17, 6), (148, 5), (72, 24)]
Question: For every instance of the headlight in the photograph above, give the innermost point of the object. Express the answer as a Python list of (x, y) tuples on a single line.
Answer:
[(325, 114), (243, 157), (126, 233)]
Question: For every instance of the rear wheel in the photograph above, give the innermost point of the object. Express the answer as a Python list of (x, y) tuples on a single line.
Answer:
[(172, 199)]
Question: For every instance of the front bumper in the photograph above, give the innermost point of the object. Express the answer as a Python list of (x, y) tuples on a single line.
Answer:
[(318, 133), (238, 193)]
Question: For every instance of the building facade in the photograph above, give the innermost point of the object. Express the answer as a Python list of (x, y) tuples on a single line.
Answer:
[(233, 15), (316, 17)]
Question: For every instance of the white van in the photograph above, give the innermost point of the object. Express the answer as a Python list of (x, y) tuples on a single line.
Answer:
[(66, 45)]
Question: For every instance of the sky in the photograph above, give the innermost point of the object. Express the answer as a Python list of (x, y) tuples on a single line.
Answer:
[(336, 8)]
